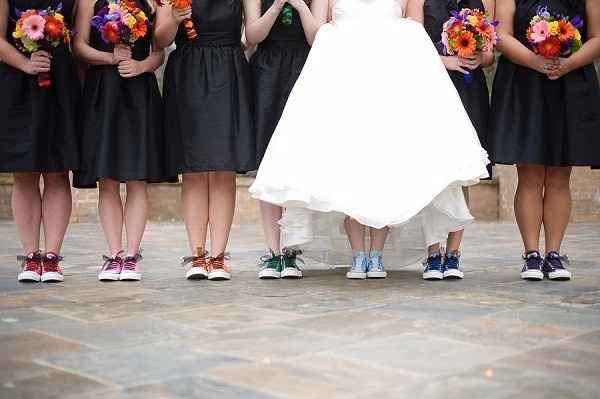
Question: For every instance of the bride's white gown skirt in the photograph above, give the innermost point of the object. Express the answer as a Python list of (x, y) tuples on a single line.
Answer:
[(375, 130)]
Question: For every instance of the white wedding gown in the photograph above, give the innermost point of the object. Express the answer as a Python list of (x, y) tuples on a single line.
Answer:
[(374, 129)]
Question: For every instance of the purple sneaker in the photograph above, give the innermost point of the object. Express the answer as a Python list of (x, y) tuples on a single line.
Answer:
[(131, 270), (554, 267), (111, 269), (532, 268)]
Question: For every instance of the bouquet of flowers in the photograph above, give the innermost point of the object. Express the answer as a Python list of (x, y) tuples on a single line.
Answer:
[(468, 32), (287, 13), (121, 22), (41, 30), (554, 35), (187, 23)]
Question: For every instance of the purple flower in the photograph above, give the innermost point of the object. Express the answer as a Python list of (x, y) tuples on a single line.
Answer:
[(577, 22)]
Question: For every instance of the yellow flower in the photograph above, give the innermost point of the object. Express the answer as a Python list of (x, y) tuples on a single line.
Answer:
[(18, 33), (472, 20), (141, 16), (554, 28), (59, 16), (30, 45), (577, 35)]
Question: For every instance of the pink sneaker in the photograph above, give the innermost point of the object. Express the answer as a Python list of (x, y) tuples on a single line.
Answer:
[(31, 267), (112, 267), (131, 270), (51, 270)]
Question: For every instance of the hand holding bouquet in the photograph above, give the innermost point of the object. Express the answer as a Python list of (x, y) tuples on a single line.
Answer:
[(468, 33), (187, 22), (40, 30), (554, 36), (287, 12)]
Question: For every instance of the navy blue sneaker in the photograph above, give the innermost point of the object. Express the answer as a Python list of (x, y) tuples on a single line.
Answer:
[(433, 267), (451, 267), (532, 268), (554, 267)]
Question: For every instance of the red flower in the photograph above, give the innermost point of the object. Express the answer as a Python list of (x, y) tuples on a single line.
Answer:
[(550, 47), (110, 33), (54, 27)]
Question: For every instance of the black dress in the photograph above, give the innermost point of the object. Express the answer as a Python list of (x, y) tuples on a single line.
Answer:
[(535, 120), (208, 94), (276, 66), (123, 135), (474, 95), (38, 126)]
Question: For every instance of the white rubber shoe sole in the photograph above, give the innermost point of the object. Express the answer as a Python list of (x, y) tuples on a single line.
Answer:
[(560, 275), (291, 273), (532, 275), (108, 276), (376, 274), (196, 273), (130, 276), (29, 277), (269, 274), (454, 274), (433, 275), (52, 277), (356, 276), (219, 275)]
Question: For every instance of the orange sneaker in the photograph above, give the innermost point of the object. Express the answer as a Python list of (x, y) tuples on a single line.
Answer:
[(196, 267), (217, 269)]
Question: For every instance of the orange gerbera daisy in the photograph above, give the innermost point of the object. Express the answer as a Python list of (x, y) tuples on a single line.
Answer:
[(566, 31), (140, 29), (181, 3), (466, 45), (549, 48)]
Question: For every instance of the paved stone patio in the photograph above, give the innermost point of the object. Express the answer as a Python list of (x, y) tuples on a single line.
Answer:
[(489, 336)]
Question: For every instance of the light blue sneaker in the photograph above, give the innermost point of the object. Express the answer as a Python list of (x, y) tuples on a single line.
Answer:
[(375, 269), (360, 263)]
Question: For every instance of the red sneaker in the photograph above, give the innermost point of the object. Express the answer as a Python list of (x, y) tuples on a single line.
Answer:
[(31, 267), (51, 270)]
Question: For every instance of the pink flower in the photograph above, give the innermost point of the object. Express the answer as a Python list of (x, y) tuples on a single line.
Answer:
[(33, 27), (540, 31)]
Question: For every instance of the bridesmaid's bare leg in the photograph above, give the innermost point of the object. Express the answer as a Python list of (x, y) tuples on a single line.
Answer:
[(110, 210), (194, 196), (136, 214), (221, 209), (529, 204), (56, 209), (557, 206), (271, 214), (27, 209), (356, 234), (378, 237)]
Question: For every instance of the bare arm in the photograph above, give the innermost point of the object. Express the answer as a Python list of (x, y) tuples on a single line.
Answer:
[(39, 62), (81, 44), (167, 24)]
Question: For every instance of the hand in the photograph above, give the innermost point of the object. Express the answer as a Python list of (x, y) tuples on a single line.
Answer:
[(473, 62), (131, 68), (454, 63), (39, 61), (121, 53), (562, 67), (181, 14), (278, 4), (544, 65), (297, 4)]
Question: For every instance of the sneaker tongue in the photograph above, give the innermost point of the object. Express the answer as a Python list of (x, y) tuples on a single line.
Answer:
[(532, 254)]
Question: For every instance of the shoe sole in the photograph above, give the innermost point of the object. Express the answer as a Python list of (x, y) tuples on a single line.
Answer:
[(561, 275), (108, 277), (219, 276), (196, 273), (356, 276), (291, 274), (433, 276), (269, 275), (532, 275), (454, 275), (130, 276), (52, 278), (376, 275), (29, 277)]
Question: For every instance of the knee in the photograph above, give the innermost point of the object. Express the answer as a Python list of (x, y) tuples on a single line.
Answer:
[(195, 178), (136, 186), (56, 179), (26, 179), (108, 186), (558, 179), (532, 178), (222, 177)]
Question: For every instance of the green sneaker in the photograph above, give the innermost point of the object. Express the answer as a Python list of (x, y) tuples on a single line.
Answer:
[(290, 264), (271, 266)]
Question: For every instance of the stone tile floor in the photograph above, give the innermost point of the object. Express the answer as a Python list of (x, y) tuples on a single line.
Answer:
[(489, 336)]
